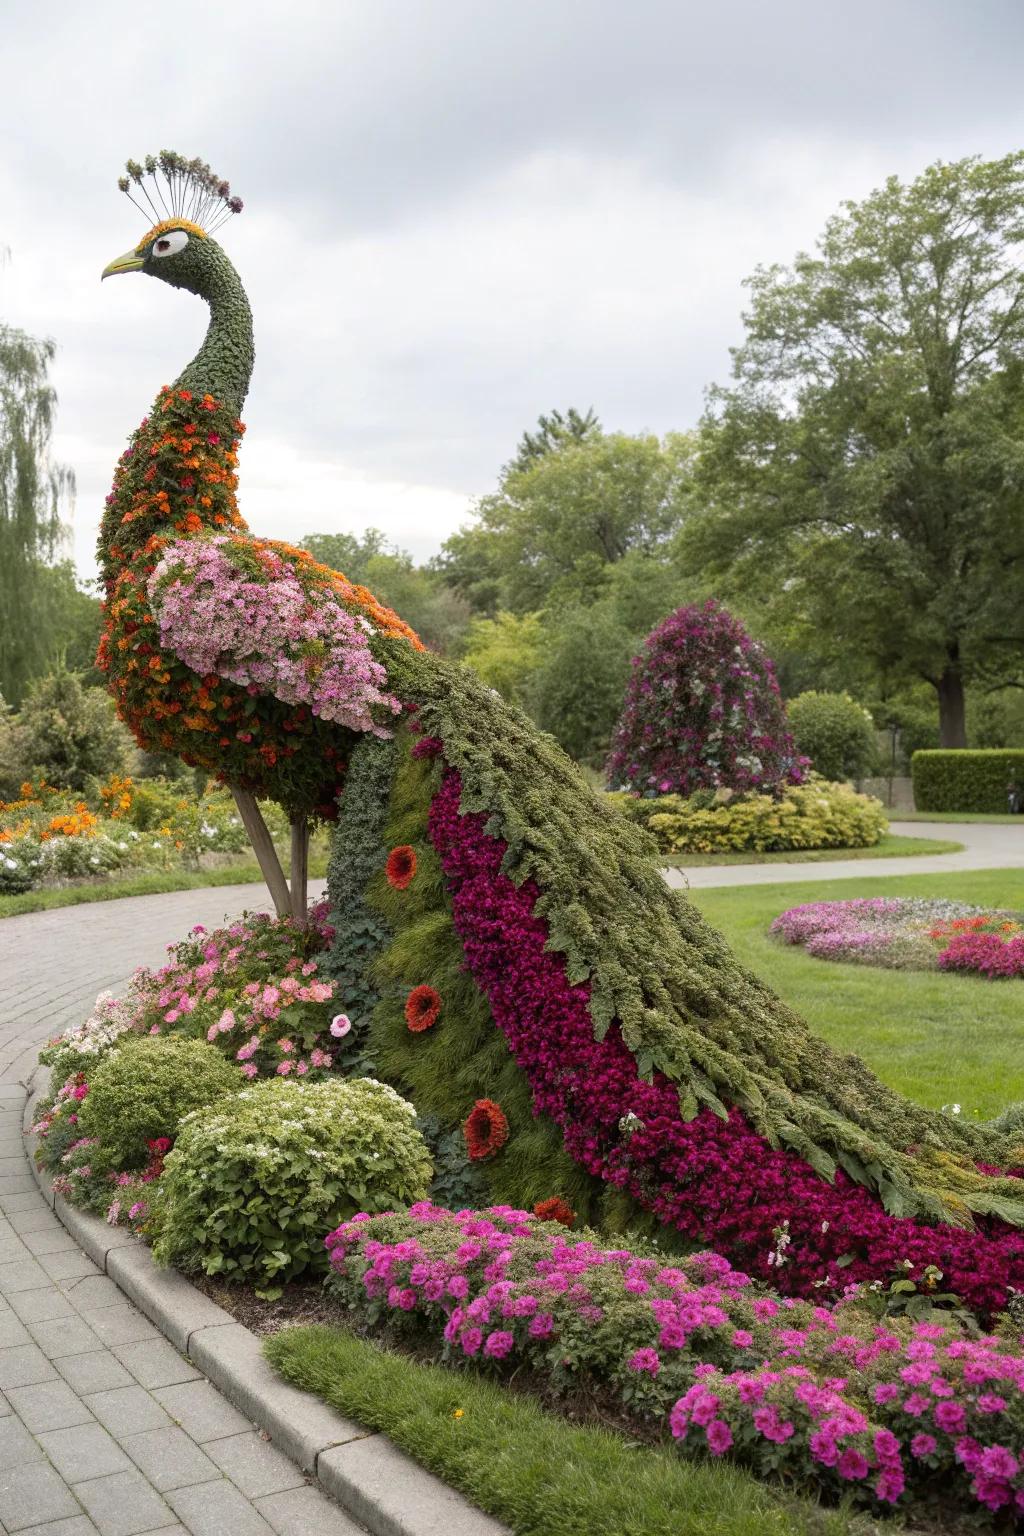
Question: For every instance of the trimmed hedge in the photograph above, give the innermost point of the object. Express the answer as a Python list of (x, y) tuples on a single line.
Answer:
[(961, 780), (815, 815)]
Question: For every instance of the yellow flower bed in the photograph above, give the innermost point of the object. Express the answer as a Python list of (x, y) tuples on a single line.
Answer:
[(814, 815)]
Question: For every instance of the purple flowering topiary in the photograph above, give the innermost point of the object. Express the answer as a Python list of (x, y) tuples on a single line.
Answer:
[(702, 711)]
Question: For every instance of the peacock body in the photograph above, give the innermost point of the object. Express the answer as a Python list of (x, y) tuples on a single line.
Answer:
[(503, 936)]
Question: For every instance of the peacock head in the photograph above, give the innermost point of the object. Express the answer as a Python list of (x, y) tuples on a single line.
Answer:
[(188, 202)]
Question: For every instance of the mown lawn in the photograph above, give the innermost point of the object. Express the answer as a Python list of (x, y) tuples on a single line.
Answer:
[(939, 1038), (532, 1469)]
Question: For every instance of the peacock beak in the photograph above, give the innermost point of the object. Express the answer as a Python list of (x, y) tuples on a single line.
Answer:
[(131, 261)]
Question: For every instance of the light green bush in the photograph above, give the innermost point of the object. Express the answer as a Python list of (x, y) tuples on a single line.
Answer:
[(814, 815), (141, 1091), (835, 732), (254, 1185)]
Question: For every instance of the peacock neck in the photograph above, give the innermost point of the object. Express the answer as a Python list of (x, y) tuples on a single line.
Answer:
[(223, 365)]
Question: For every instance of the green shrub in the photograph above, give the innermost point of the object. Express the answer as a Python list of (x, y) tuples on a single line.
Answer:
[(835, 732), (815, 815), (141, 1091), (973, 782), (253, 1186)]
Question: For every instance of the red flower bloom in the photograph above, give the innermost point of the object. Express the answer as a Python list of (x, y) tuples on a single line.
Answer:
[(422, 1007), (555, 1209), (485, 1130), (401, 866)]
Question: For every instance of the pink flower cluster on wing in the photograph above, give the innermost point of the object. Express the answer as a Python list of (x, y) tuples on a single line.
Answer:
[(268, 634), (716, 1180), (826, 1395)]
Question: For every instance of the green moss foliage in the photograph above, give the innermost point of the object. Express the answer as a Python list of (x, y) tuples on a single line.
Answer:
[(141, 1091), (685, 1005), (463, 1056), (358, 852)]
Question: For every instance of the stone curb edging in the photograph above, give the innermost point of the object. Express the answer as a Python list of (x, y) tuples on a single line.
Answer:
[(373, 1481)]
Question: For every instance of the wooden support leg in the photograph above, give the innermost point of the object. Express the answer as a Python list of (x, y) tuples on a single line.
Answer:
[(263, 847), (300, 866)]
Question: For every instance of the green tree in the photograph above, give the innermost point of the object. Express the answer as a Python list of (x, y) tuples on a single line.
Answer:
[(551, 433), (348, 553), (551, 530), (506, 652), (33, 493), (576, 692), (835, 732), (862, 475), (68, 733)]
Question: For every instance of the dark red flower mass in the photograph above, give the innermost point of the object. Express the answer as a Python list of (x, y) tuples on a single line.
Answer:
[(485, 1130), (422, 1007), (555, 1209), (401, 866)]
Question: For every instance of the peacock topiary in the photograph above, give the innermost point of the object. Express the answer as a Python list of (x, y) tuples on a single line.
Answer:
[(597, 1038)]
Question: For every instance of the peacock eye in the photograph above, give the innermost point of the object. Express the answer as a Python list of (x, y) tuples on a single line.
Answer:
[(168, 245)]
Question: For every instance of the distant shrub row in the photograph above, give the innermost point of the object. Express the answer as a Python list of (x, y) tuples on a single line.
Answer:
[(973, 782)]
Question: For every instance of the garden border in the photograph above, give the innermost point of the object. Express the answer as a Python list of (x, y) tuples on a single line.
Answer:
[(376, 1484)]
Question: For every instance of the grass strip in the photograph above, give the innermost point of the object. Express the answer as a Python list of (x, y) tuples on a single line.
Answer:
[(530, 1468), (890, 847), (997, 818), (154, 882)]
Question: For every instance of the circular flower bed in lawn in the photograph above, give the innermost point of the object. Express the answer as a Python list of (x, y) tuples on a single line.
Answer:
[(908, 933)]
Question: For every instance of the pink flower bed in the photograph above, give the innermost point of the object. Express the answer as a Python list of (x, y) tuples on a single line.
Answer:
[(894, 1412), (908, 933), (718, 1181)]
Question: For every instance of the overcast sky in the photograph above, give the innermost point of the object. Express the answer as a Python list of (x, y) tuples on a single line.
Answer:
[(459, 213)]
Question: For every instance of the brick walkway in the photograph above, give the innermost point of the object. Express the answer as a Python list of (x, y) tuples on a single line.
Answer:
[(105, 1430)]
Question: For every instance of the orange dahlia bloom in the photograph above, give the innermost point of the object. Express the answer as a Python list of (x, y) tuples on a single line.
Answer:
[(555, 1209), (401, 866), (422, 1007), (485, 1130)]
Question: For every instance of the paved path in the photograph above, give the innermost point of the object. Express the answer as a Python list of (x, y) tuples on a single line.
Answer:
[(986, 846), (105, 1430)]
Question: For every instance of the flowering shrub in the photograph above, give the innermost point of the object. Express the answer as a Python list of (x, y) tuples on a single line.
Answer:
[(252, 1183), (814, 815), (140, 1092), (710, 1174), (80, 1047), (907, 933), (893, 1411), (253, 990), (49, 835), (702, 710)]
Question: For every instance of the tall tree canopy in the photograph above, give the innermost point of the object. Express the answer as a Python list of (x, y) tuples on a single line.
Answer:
[(32, 492), (863, 476), (551, 531)]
